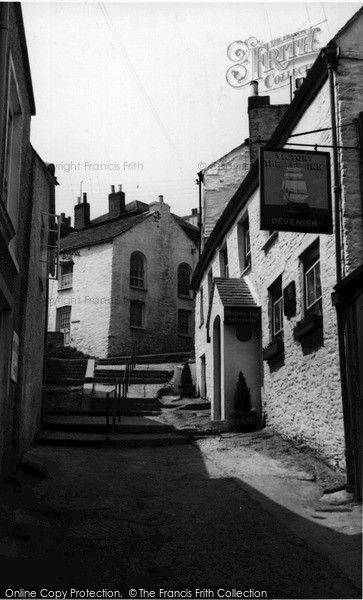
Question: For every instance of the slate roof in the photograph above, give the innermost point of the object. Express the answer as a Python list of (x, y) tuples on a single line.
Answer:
[(134, 206), (104, 232), (234, 292), (100, 231), (191, 230)]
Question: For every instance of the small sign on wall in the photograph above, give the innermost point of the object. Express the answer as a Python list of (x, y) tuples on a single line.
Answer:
[(295, 190), (242, 315), (15, 358)]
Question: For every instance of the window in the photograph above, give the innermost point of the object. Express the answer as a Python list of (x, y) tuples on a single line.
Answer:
[(223, 261), (184, 318), (184, 280), (66, 275), (137, 270), (244, 244), (201, 306), (312, 283), (64, 323), (277, 309), (137, 313), (210, 283), (10, 185)]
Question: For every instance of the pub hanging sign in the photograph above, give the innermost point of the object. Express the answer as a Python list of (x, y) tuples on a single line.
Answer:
[(295, 191)]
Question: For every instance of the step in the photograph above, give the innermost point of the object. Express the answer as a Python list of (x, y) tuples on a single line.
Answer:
[(133, 440), (65, 381), (173, 357), (98, 425), (136, 376)]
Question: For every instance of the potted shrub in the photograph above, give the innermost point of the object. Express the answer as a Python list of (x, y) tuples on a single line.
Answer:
[(242, 415), (186, 386)]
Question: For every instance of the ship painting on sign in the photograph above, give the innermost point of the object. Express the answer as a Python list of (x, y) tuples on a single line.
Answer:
[(294, 190)]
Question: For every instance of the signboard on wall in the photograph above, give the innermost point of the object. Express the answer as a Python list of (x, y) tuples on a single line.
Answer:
[(242, 315), (295, 191)]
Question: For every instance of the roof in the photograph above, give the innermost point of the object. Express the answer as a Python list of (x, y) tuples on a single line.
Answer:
[(104, 232), (234, 292), (191, 230), (134, 206), (310, 87)]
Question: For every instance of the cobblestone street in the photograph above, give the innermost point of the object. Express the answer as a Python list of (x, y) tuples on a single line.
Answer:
[(111, 518)]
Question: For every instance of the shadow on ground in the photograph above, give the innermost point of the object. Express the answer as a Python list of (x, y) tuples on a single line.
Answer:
[(156, 517)]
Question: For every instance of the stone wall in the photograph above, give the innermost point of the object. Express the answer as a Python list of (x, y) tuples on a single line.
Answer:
[(89, 299), (165, 246), (221, 180), (302, 395)]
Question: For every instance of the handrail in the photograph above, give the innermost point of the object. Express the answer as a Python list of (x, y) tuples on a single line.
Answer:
[(120, 392)]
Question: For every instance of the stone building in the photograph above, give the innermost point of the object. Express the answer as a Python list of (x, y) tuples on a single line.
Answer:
[(124, 278), (264, 298), (26, 199)]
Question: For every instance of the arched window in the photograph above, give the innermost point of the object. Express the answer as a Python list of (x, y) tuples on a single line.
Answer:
[(184, 272), (137, 270)]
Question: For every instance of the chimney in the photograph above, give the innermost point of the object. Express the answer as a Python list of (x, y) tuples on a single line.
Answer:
[(161, 199), (116, 202), (194, 211), (263, 119), (82, 213), (65, 225)]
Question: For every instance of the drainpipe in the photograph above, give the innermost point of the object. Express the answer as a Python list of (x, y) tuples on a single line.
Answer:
[(330, 54), (200, 181), (4, 42)]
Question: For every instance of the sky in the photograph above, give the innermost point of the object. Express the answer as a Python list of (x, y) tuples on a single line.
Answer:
[(136, 93)]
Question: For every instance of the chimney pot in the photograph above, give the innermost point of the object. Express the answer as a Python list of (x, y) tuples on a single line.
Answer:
[(161, 199), (112, 189), (120, 187), (79, 200), (84, 197)]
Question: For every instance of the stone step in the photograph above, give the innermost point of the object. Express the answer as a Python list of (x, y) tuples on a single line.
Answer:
[(132, 440), (65, 381), (173, 357), (119, 372), (97, 424), (136, 376)]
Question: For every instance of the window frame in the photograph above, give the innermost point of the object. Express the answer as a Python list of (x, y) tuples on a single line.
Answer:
[(244, 244), (276, 301), (311, 264), (64, 310), (63, 283), (223, 261), (139, 324), (201, 306), (10, 184), (182, 285), (188, 314), (137, 277)]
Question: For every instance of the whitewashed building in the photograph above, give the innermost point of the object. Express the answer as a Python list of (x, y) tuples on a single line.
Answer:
[(124, 278), (264, 298)]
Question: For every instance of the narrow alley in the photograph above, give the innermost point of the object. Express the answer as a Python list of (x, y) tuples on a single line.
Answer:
[(155, 518)]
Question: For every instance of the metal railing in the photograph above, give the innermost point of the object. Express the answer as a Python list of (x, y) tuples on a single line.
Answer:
[(117, 398)]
